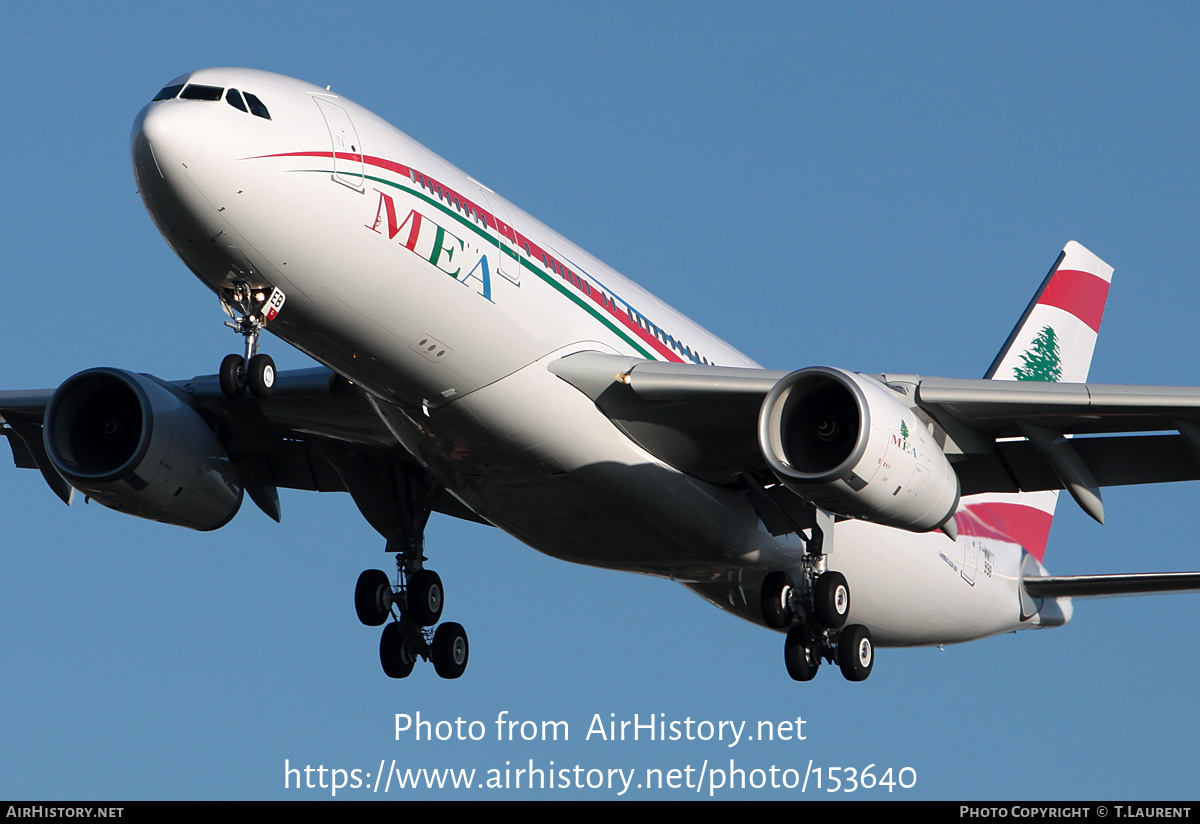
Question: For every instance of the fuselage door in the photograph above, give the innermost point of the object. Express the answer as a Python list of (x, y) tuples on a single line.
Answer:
[(970, 562), (347, 150), (508, 256)]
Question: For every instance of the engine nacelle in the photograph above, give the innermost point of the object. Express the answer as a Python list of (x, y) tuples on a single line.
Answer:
[(132, 445), (844, 442)]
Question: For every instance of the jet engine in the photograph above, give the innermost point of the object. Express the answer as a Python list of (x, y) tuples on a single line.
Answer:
[(846, 443), (131, 444)]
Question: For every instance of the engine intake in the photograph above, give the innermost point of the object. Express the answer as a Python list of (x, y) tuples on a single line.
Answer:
[(844, 442), (132, 445)]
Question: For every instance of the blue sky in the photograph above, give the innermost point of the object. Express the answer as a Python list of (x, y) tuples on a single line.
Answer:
[(874, 187)]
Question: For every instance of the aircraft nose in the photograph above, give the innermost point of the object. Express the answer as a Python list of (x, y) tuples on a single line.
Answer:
[(166, 141), (170, 155), (144, 164)]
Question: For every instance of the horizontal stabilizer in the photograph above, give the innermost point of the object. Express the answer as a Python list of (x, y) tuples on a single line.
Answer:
[(1096, 586)]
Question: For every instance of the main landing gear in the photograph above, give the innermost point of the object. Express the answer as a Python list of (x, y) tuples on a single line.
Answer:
[(814, 613), (250, 309), (397, 502), (414, 604)]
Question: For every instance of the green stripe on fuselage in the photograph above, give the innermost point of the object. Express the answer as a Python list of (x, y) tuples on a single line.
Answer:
[(527, 264)]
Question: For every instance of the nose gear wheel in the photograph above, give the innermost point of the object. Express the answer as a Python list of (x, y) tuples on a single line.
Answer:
[(251, 308)]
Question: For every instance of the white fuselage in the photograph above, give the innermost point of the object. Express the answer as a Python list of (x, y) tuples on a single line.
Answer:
[(446, 303)]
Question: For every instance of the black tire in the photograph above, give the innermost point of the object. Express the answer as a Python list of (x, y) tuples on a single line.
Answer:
[(425, 598), (796, 656), (260, 375), (775, 614), (450, 650), (373, 597), (395, 652), (831, 599), (856, 652), (230, 376)]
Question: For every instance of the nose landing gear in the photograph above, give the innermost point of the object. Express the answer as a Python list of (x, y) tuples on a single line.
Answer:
[(251, 309)]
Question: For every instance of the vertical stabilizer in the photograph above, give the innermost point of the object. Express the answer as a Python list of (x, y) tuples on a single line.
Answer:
[(1053, 341)]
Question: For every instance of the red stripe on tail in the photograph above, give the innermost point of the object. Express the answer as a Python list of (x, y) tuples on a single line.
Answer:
[(1080, 293), (1014, 523)]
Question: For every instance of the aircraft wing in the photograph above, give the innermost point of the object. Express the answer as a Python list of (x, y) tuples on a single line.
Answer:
[(699, 419), (317, 431), (1000, 436), (1003, 425)]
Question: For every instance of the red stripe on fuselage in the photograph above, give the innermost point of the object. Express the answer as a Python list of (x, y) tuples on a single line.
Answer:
[(534, 252), (1080, 293)]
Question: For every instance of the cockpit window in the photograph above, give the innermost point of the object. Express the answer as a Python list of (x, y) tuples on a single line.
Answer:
[(168, 92), (256, 107), (243, 101), (196, 91), (234, 98)]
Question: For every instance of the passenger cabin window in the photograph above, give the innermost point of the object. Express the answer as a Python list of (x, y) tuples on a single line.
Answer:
[(168, 92), (196, 91), (256, 107), (234, 98)]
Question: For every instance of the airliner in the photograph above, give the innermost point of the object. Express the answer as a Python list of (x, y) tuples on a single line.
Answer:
[(477, 364)]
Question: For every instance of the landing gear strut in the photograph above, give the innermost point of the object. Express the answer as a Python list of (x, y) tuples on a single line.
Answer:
[(250, 309), (398, 502), (814, 612)]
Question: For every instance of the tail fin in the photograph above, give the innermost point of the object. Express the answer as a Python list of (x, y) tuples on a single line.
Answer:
[(1053, 341)]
